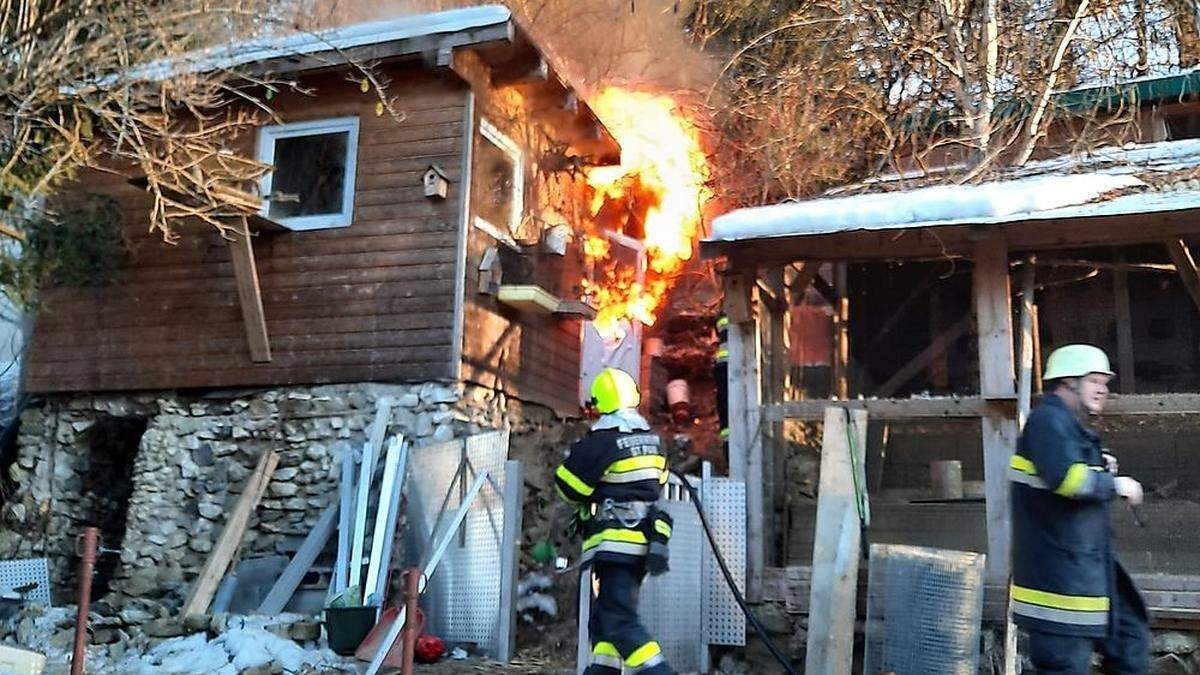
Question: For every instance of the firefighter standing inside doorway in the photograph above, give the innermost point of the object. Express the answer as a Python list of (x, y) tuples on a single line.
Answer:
[(612, 477), (1069, 591)]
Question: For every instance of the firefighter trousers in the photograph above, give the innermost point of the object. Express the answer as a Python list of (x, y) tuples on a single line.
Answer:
[(1125, 651), (618, 638)]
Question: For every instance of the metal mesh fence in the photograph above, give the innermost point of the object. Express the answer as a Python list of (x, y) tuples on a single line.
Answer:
[(923, 611)]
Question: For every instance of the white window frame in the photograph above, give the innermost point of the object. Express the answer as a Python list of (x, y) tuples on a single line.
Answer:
[(267, 136), (504, 234)]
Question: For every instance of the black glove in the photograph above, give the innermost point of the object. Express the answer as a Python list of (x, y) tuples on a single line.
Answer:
[(658, 532)]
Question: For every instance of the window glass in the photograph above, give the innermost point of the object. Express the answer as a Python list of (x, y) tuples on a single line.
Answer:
[(310, 175)]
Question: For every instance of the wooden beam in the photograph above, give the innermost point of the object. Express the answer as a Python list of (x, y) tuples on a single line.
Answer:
[(937, 347), (231, 537), (925, 287), (281, 592), (258, 222), (383, 51), (958, 241), (523, 71), (510, 558), (826, 289), (341, 572), (941, 407), (1125, 375), (241, 252), (1185, 264), (1037, 352), (1026, 353), (881, 409), (740, 297), (1000, 434), (778, 367), (773, 300), (1167, 595), (837, 548), (745, 410), (806, 272), (841, 334), (993, 311)]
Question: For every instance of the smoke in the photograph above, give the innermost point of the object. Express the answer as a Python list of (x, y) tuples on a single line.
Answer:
[(640, 44)]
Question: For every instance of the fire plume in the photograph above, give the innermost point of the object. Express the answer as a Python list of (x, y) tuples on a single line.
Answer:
[(656, 195)]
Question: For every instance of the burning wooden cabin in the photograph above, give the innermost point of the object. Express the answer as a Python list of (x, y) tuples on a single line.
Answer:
[(436, 257)]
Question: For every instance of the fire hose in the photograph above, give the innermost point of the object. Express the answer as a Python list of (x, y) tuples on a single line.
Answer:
[(737, 594)]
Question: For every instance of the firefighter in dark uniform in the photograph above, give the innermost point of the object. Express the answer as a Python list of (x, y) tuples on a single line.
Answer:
[(612, 477), (1068, 589), (721, 377)]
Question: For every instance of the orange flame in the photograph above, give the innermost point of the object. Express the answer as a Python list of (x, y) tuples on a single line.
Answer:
[(656, 195)]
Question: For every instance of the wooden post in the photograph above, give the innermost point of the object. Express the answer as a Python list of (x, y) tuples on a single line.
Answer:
[(837, 548), (1037, 351), (878, 434), (245, 272), (1125, 376), (773, 390), (1029, 356), (510, 558), (841, 337), (341, 574), (993, 312), (745, 413), (993, 308), (1025, 381)]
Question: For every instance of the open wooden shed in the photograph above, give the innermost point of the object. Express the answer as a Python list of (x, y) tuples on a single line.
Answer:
[(933, 297)]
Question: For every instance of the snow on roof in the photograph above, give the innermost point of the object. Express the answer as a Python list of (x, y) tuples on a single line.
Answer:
[(1164, 156), (1099, 183), (267, 47)]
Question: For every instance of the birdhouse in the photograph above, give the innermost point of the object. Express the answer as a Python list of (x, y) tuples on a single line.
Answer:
[(437, 185)]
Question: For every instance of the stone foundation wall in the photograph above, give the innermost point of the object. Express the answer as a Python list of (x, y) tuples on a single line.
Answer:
[(192, 463)]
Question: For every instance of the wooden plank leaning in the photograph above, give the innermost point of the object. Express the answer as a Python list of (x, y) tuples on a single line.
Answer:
[(836, 553), (427, 571), (231, 537), (366, 474), (277, 598), (390, 492), (341, 572)]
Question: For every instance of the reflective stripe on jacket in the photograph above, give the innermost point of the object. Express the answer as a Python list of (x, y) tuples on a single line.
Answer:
[(722, 339), (1063, 563), (615, 472)]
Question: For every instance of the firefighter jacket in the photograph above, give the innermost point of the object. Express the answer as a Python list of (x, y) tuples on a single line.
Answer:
[(614, 475), (1064, 568), (722, 339)]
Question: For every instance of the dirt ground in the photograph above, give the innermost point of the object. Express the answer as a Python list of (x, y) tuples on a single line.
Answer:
[(520, 666)]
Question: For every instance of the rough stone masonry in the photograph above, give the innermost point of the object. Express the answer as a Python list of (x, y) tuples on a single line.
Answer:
[(191, 464)]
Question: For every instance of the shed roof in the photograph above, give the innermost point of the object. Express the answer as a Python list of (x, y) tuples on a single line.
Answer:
[(1111, 181), (402, 32)]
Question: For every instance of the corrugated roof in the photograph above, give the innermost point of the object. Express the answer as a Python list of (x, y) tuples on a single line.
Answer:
[(269, 47), (1108, 182)]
